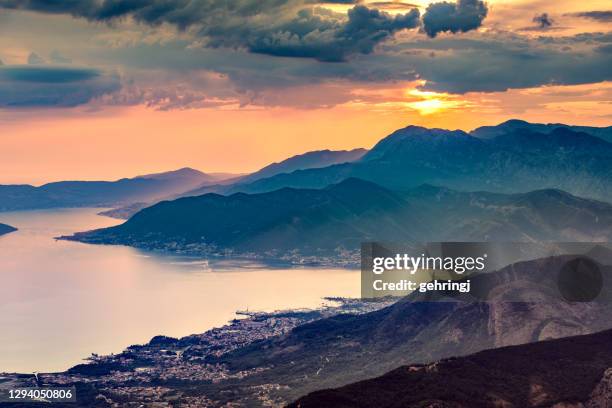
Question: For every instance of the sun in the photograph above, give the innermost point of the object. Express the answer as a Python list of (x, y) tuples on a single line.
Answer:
[(429, 103), (428, 106)]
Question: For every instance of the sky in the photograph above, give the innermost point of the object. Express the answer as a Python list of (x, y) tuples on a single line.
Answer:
[(105, 89)]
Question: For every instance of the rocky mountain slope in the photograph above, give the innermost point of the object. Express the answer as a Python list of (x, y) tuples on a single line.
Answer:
[(569, 372), (509, 160), (523, 306), (341, 216)]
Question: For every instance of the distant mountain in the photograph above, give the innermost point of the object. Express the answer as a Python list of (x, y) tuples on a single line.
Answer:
[(519, 161), (522, 307), (5, 229), (100, 193), (341, 216), (226, 183), (309, 160), (569, 372), (279, 221), (183, 175), (514, 125)]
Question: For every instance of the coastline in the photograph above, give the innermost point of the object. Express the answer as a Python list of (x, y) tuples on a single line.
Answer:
[(342, 258), (137, 372)]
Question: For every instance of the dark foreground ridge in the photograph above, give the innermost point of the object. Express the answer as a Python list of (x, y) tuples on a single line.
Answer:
[(574, 371)]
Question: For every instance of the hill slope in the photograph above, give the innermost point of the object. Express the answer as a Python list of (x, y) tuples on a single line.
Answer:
[(514, 125), (562, 158), (99, 193), (342, 349), (341, 216), (310, 160), (567, 372)]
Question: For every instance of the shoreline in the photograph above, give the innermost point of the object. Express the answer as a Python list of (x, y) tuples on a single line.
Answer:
[(349, 259), (152, 371)]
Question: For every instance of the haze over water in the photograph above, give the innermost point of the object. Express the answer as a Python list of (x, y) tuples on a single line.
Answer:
[(60, 301)]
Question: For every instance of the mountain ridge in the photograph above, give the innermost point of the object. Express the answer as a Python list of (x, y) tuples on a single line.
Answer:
[(309, 160), (342, 349), (321, 222), (559, 372), (565, 159), (604, 133), (99, 193)]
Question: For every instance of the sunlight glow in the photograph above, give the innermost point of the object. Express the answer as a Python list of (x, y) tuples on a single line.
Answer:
[(433, 102)]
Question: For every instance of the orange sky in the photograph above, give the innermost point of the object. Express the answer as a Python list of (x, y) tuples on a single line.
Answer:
[(123, 142), (117, 135)]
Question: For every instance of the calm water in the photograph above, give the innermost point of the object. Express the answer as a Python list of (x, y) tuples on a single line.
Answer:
[(60, 301)]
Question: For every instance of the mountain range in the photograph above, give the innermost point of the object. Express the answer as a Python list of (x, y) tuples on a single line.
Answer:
[(346, 348), (515, 125), (101, 193), (5, 229), (512, 157), (309, 160), (508, 160), (315, 159), (570, 372), (341, 216)]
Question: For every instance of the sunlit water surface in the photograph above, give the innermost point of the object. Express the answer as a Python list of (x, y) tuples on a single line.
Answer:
[(60, 301)]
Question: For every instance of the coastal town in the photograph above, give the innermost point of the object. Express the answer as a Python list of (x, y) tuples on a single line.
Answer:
[(162, 373)]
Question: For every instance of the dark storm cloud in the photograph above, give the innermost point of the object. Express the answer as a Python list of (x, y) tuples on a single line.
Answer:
[(207, 63), (288, 28), (543, 21), (490, 62), (495, 63), (41, 86), (462, 16), (311, 36), (605, 16), (46, 74)]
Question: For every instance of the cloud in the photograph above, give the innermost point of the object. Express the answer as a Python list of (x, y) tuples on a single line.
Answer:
[(462, 16), (166, 75), (168, 70), (287, 28), (311, 36), (604, 16), (392, 5), (496, 62), (35, 59), (57, 58), (23, 86), (543, 21), (605, 49)]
